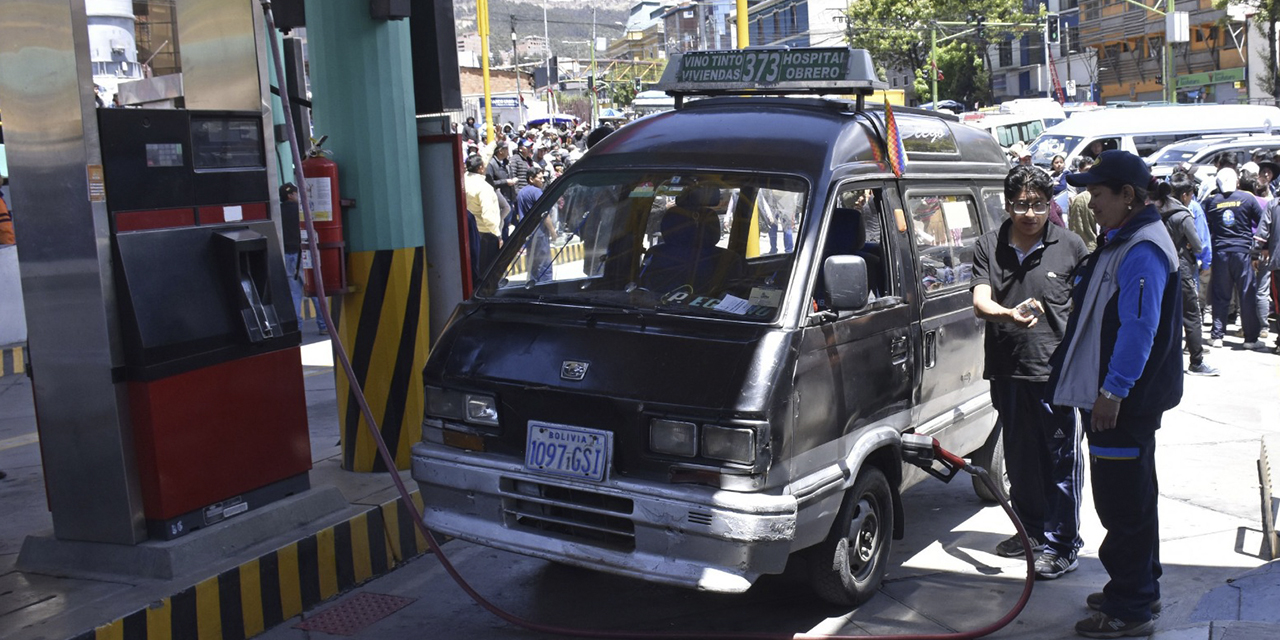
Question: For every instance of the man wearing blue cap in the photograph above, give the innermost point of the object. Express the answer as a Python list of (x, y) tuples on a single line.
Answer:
[(1120, 362)]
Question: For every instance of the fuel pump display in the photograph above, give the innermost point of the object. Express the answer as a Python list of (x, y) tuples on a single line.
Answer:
[(209, 333)]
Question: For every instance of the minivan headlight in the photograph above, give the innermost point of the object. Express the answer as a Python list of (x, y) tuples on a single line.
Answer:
[(673, 437), (731, 445), (443, 403), (482, 410)]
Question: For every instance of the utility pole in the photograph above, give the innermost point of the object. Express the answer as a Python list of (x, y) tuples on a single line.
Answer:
[(595, 100), (1044, 68), (546, 36), (933, 64), (482, 25), (515, 64)]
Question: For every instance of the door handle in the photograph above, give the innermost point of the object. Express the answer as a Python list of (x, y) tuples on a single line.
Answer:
[(898, 350), (930, 349)]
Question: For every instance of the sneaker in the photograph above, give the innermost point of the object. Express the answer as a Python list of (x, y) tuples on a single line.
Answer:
[(1096, 599), (1012, 548), (1051, 566), (1101, 625), (1256, 345), (1216, 343), (1266, 333), (1202, 369)]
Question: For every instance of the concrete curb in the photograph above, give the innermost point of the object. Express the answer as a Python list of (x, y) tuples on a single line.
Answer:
[(246, 600), (11, 357)]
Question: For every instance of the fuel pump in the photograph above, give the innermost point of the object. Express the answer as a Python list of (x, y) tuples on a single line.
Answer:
[(321, 174), (209, 334)]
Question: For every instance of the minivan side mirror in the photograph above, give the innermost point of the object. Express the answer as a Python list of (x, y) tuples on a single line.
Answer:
[(845, 278)]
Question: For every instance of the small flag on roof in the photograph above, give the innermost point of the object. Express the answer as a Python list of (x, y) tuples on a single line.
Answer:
[(893, 141)]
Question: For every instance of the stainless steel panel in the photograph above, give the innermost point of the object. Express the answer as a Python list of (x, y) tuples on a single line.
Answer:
[(157, 89), (219, 54), (51, 136), (440, 220)]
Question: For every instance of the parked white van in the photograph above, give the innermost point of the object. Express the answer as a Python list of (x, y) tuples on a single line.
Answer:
[(1021, 120), (1143, 130)]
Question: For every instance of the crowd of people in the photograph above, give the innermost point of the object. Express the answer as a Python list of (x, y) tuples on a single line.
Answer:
[(506, 176), (1084, 335)]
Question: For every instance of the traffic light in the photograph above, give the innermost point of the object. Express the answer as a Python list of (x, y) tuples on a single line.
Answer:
[(591, 83), (637, 83), (1051, 29)]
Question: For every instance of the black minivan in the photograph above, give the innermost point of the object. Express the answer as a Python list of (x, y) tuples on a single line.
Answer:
[(695, 360)]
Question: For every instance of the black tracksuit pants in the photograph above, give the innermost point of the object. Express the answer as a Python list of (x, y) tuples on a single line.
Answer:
[(1125, 494)]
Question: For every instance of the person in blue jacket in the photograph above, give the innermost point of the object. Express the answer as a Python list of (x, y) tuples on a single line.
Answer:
[(1120, 362)]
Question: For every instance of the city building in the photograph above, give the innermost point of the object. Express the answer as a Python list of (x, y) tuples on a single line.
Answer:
[(698, 25), (1129, 44), (1018, 67), (795, 23), (644, 38), (532, 47)]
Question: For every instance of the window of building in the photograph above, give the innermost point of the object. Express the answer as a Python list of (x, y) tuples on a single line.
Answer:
[(1006, 53)]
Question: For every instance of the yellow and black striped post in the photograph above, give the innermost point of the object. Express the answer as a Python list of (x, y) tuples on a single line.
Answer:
[(383, 326), (362, 73)]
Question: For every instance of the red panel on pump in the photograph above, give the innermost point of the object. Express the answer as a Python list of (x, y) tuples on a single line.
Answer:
[(214, 433)]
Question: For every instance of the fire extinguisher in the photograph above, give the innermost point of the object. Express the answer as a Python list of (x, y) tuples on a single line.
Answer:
[(321, 174)]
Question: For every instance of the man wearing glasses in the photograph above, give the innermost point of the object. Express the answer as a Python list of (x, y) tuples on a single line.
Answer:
[(1022, 288)]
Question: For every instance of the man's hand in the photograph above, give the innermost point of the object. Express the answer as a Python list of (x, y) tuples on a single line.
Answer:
[(1105, 411), (1024, 321)]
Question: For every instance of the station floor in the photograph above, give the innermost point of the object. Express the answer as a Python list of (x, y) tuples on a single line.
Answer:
[(355, 530)]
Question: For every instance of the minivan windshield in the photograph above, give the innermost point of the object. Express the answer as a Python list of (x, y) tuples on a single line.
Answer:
[(1047, 146), (696, 243)]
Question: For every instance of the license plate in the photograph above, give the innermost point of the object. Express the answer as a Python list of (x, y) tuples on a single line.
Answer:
[(574, 452)]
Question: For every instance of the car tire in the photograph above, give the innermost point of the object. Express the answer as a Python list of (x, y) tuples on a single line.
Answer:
[(991, 458), (847, 567)]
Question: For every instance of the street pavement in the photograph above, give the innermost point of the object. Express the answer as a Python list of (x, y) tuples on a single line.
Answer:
[(942, 577)]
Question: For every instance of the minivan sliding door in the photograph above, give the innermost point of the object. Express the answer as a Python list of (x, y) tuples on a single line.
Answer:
[(945, 222)]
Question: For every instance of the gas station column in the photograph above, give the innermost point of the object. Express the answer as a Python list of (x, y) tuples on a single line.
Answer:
[(362, 98)]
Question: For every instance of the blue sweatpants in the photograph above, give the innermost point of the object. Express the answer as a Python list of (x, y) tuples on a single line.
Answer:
[(1042, 456), (1123, 469)]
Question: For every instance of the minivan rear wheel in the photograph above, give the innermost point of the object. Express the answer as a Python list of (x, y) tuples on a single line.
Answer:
[(847, 567), (991, 458)]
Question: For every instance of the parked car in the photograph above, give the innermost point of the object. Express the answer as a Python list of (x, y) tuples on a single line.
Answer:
[(1144, 129), (1205, 150)]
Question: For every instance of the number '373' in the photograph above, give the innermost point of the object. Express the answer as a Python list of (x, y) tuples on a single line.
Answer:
[(762, 67)]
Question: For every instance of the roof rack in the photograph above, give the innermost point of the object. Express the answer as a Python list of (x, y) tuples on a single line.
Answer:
[(771, 71)]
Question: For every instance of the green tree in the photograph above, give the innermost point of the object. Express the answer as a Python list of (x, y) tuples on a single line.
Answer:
[(896, 32), (622, 92)]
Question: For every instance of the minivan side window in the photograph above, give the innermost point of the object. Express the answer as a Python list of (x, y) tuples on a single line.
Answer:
[(945, 227), (856, 229)]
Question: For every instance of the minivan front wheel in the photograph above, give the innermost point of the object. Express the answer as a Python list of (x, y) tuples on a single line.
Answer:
[(847, 567)]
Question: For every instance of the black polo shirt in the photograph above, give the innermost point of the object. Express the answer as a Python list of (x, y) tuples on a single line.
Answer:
[(1045, 274)]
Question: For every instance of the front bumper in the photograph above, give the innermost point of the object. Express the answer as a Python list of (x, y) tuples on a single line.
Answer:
[(685, 535)]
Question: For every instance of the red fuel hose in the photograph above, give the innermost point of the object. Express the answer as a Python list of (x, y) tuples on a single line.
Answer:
[(530, 625)]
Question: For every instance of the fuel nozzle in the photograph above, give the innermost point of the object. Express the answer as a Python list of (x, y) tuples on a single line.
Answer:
[(926, 453)]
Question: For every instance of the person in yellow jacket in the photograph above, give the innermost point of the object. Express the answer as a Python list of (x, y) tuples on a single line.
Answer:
[(482, 202)]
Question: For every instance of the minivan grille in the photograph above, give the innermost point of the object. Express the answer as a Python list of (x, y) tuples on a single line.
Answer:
[(576, 514)]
